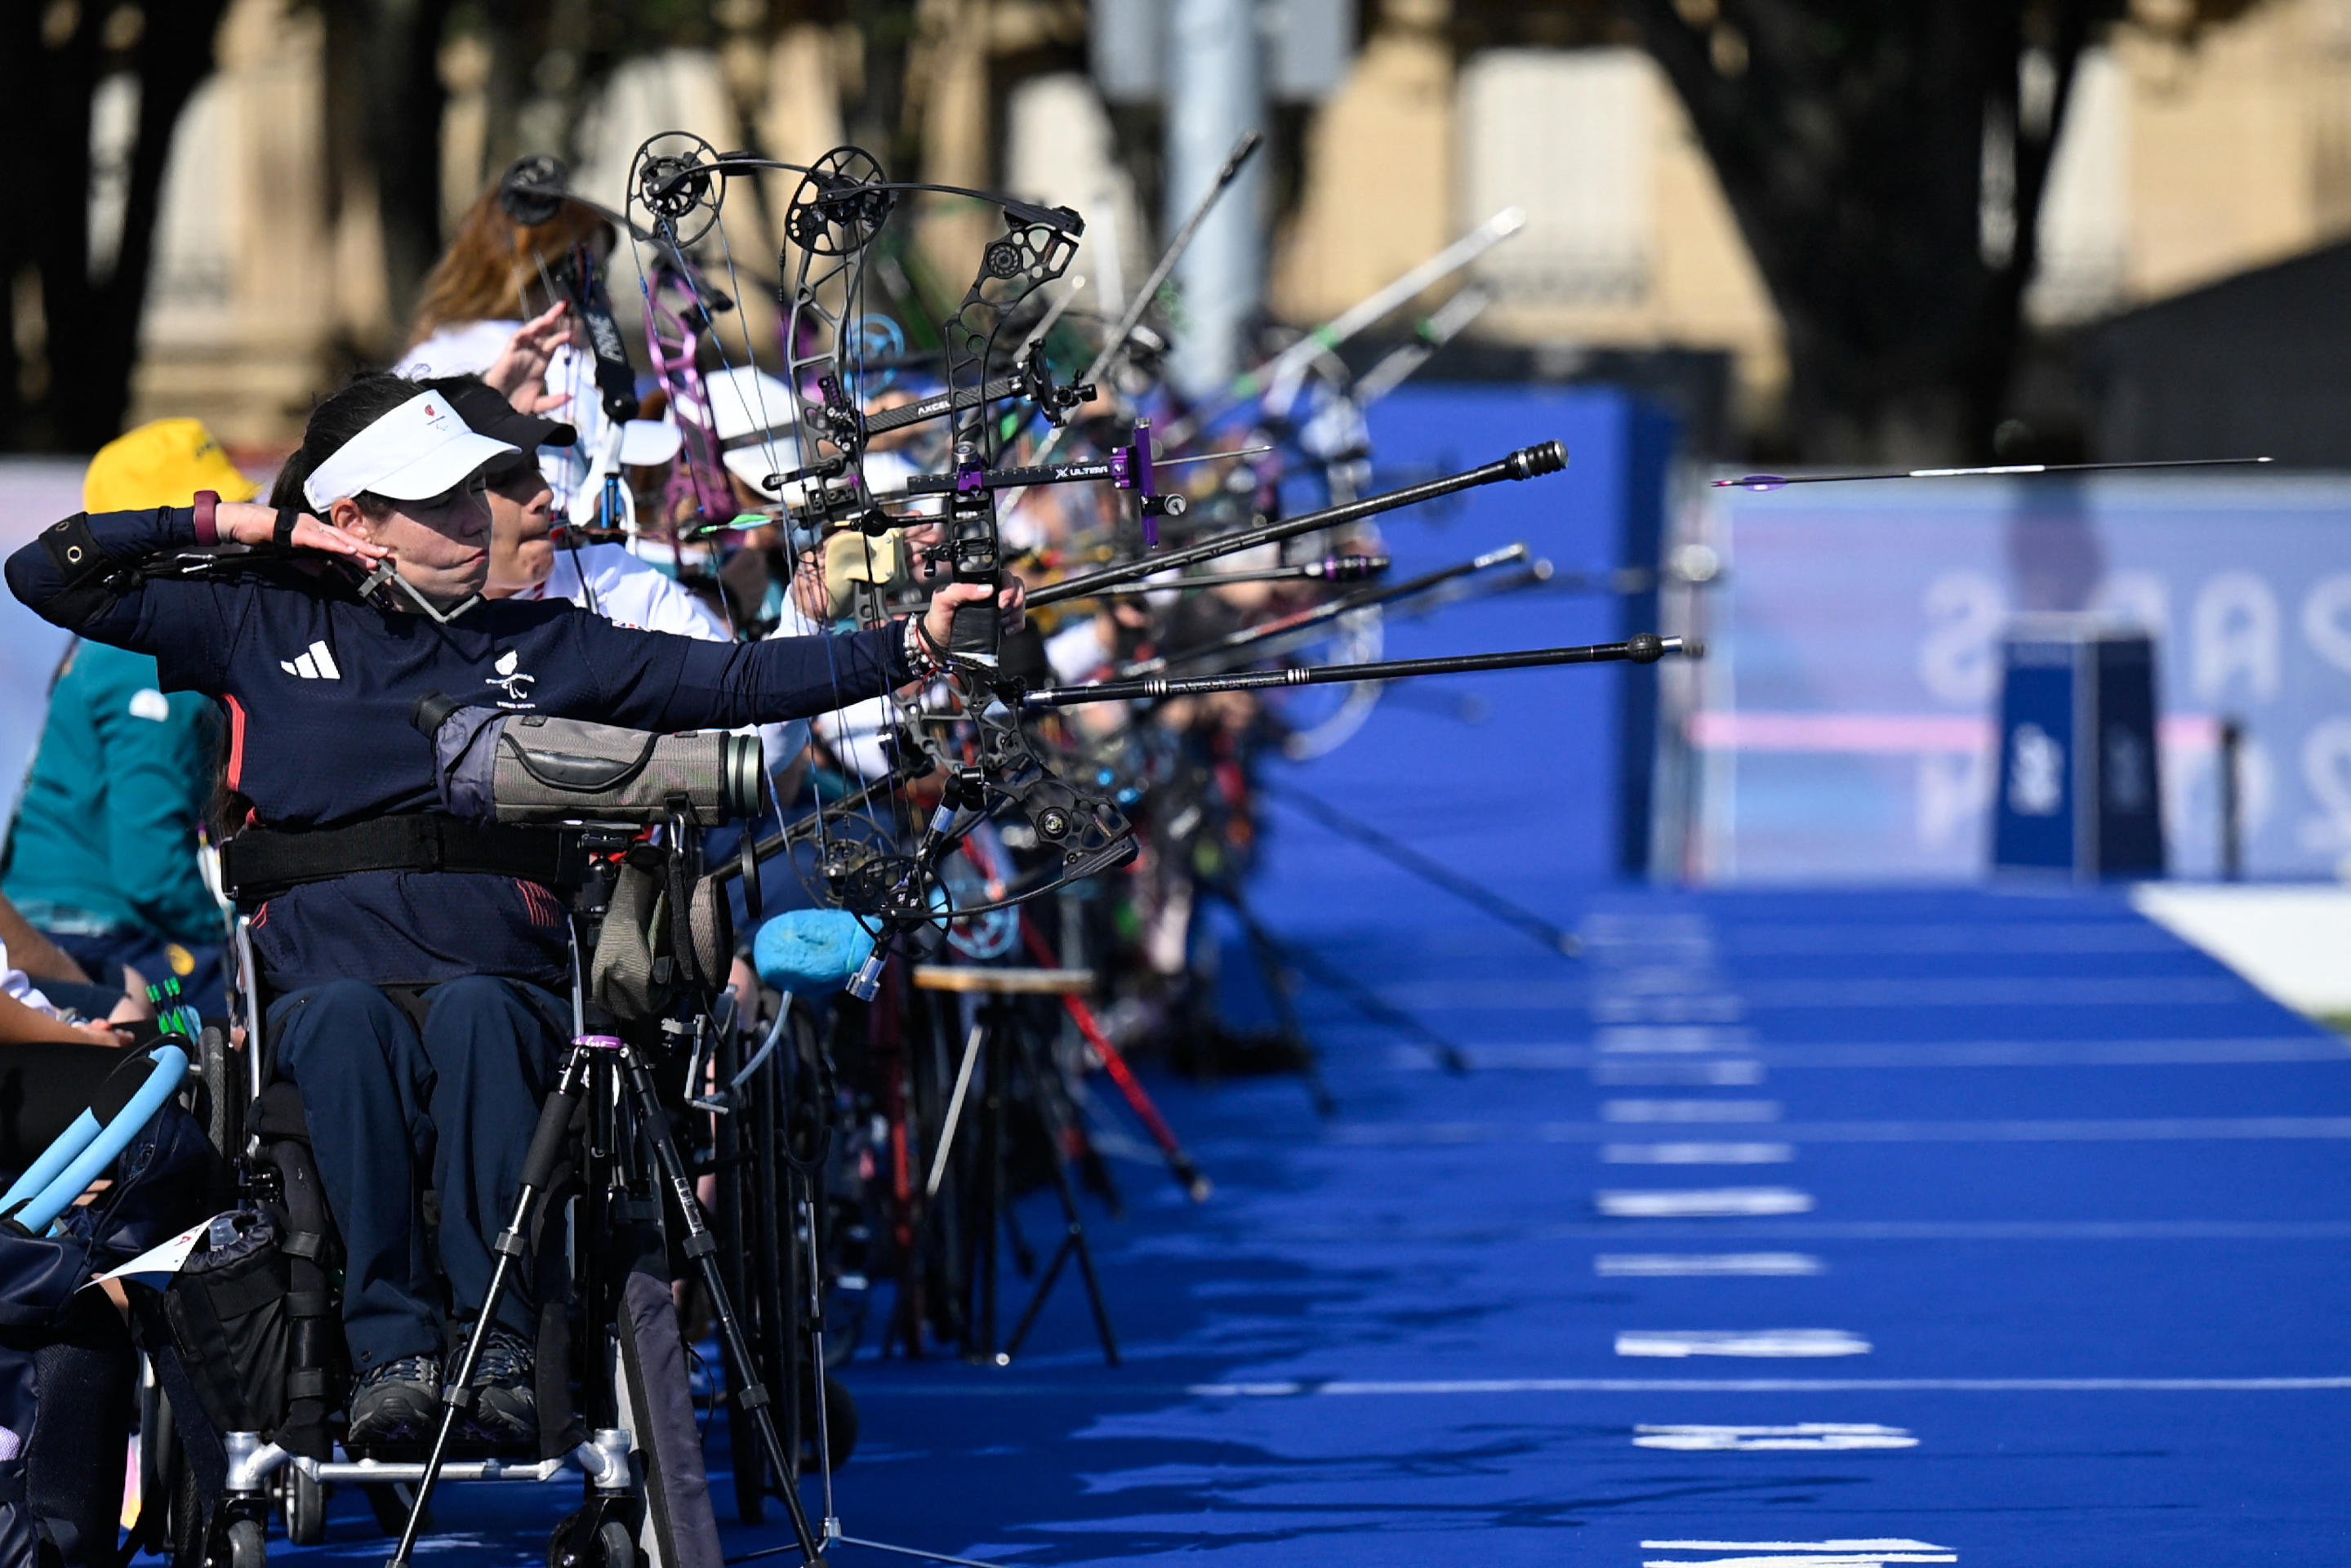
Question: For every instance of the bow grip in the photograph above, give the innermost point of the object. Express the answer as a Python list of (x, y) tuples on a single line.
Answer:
[(976, 633)]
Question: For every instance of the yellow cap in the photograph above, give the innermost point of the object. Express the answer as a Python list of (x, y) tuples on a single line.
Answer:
[(162, 464)]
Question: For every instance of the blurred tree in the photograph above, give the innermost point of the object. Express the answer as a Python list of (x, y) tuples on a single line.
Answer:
[(385, 103), (75, 306), (1886, 160)]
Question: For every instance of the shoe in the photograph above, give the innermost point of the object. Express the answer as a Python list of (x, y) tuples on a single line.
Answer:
[(506, 1394), (396, 1405)]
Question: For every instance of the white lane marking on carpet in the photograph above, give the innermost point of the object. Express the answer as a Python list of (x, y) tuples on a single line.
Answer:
[(1759, 1343), (1697, 1154), (1691, 1265), (1806, 1435), (1638, 1039), (1726, 1010), (1732, 1072), (1533, 1056), (1875, 1543), (1689, 1110), (1873, 1554), (1703, 1203), (1669, 1010), (1474, 1385), (1988, 991), (1809, 1559)]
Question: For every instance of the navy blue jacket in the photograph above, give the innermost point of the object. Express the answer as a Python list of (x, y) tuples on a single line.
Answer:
[(319, 687)]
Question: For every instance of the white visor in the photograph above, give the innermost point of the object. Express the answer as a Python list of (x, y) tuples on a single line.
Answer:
[(419, 450)]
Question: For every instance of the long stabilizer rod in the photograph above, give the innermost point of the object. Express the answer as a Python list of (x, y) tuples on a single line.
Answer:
[(1248, 637), (1641, 648), (1527, 463)]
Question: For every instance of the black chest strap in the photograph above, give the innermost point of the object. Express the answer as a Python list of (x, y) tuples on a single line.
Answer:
[(262, 861)]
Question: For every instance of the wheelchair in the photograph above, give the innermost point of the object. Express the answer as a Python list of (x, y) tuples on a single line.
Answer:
[(607, 1217)]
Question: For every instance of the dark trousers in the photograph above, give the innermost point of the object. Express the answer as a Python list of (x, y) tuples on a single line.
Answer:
[(394, 1109), (201, 968)]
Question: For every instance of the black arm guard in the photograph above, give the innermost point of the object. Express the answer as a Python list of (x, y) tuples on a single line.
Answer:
[(90, 578)]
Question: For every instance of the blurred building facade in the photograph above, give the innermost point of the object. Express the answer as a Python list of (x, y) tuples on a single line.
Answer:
[(2178, 167)]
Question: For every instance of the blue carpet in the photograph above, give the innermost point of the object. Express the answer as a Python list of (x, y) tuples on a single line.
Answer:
[(2071, 1197)]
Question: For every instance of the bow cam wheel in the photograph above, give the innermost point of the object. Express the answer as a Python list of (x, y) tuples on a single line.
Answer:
[(675, 178), (841, 204)]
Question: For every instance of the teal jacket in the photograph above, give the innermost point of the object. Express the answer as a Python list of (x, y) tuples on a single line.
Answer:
[(105, 836)]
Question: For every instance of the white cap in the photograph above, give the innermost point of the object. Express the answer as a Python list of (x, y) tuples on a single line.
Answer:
[(417, 451), (753, 415)]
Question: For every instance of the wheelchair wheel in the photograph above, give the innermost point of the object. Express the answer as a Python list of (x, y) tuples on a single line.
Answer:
[(246, 1546), (763, 1299), (591, 1538), (736, 1226), (304, 1502), (159, 1467), (185, 1525)]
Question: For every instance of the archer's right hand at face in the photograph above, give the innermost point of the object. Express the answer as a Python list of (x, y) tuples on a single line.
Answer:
[(250, 523)]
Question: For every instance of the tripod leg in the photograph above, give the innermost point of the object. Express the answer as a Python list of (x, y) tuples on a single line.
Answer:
[(1103, 1329), (985, 1239), (1036, 1304), (753, 1398), (547, 1143), (1073, 1240), (955, 1112), (803, 1191)]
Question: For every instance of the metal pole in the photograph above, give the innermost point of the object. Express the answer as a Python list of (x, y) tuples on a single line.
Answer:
[(1215, 91), (2232, 801)]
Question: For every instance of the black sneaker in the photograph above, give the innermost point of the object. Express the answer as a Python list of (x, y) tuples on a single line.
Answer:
[(395, 1405), (506, 1397)]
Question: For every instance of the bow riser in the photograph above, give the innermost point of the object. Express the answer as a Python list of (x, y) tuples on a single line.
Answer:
[(1013, 268)]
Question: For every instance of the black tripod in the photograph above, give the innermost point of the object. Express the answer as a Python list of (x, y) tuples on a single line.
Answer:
[(999, 1051), (618, 1069)]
